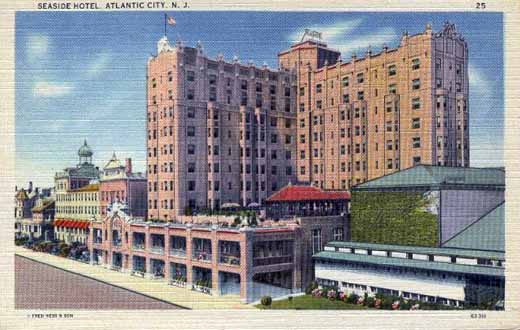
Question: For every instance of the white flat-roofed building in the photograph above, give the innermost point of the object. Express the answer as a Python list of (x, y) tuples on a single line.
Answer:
[(469, 268)]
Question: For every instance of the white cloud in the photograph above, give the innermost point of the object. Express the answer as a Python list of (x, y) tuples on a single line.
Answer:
[(51, 89), (360, 43), (330, 32), (477, 79), (37, 45), (346, 36), (98, 65)]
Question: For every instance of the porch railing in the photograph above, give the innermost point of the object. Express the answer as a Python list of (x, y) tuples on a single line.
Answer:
[(178, 253), (229, 259), (201, 256)]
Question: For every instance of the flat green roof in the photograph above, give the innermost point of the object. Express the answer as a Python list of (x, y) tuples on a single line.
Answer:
[(411, 263), (429, 175), (487, 233), (469, 253)]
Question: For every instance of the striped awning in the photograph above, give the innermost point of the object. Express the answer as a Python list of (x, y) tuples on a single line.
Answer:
[(80, 224)]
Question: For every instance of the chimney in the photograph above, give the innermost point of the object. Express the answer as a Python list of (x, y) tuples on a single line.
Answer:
[(128, 166), (30, 187)]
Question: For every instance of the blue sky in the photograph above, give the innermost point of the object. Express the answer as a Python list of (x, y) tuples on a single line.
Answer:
[(82, 74)]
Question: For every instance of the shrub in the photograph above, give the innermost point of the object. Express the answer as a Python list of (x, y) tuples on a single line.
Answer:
[(266, 301), (370, 302), (352, 298), (331, 294), (313, 285)]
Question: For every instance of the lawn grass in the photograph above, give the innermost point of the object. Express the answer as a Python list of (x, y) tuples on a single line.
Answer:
[(309, 302)]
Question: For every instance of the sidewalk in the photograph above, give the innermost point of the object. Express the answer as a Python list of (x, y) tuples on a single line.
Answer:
[(158, 289)]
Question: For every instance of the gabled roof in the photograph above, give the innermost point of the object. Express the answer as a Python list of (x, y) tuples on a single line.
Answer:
[(487, 233), (292, 193), (113, 163), (429, 175), (21, 195), (44, 206), (89, 187)]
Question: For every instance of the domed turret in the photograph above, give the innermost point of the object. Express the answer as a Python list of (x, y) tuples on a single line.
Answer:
[(85, 153)]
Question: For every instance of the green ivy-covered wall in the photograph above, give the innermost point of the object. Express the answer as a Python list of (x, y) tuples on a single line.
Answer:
[(392, 218)]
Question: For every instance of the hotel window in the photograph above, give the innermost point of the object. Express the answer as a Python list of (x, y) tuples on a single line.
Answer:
[(416, 160), (190, 75), (302, 123), (358, 148), (274, 170), (288, 170), (360, 78), (212, 93), (338, 234), (458, 87), (243, 84), (302, 107), (274, 138), (243, 98), (302, 170), (191, 185), (302, 138), (191, 112), (344, 81), (416, 123), (342, 149), (190, 131), (316, 240), (389, 145), (154, 83), (274, 121), (388, 126), (438, 82), (346, 98), (191, 149), (272, 89), (273, 154), (287, 123), (389, 164), (287, 92), (318, 104), (416, 64), (416, 84), (288, 139), (392, 89), (259, 87), (212, 79), (416, 142), (288, 154), (361, 95), (302, 91), (438, 63), (416, 103), (191, 94), (318, 88), (458, 68), (302, 154), (191, 167), (392, 70)]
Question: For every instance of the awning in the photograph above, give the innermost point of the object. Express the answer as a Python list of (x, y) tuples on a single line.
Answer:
[(80, 224)]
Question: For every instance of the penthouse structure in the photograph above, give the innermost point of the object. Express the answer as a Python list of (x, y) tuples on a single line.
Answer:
[(218, 132), (380, 113)]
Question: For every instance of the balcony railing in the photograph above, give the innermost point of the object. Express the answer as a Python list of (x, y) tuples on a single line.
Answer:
[(157, 249), (98, 240), (116, 242), (229, 259), (177, 283), (138, 247), (138, 273), (178, 253), (262, 261), (202, 256)]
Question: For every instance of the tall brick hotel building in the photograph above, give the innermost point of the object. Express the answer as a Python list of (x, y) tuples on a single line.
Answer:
[(222, 132)]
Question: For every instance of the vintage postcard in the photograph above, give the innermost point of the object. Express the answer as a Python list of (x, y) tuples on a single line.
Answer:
[(195, 165)]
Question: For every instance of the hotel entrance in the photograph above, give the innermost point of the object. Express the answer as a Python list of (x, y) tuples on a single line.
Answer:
[(229, 283)]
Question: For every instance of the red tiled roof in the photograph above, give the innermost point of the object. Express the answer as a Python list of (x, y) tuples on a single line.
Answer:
[(306, 193)]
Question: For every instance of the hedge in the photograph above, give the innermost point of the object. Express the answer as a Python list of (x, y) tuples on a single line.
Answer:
[(392, 218)]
